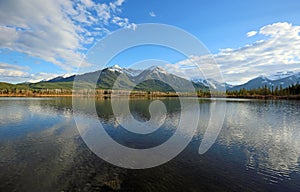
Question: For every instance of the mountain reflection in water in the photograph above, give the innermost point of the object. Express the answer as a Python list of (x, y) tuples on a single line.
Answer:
[(257, 150)]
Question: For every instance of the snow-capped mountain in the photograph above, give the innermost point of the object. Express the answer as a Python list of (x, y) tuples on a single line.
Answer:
[(130, 77), (153, 79), (128, 71), (213, 84), (132, 72), (115, 68), (281, 79), (280, 75), (158, 77)]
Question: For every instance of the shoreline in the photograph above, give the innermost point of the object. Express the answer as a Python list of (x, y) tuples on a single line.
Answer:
[(260, 97), (266, 97)]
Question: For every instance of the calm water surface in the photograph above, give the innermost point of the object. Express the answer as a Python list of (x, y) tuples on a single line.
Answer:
[(258, 148)]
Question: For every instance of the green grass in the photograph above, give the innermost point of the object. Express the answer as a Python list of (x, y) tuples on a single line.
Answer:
[(10, 86), (46, 85)]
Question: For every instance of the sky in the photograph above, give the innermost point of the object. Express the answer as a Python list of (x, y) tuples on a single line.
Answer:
[(44, 39)]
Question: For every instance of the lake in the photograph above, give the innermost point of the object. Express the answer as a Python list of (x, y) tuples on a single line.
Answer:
[(258, 148)]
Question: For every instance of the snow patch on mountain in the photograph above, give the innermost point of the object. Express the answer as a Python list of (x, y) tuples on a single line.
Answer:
[(115, 68), (281, 75), (202, 81), (132, 72), (212, 83)]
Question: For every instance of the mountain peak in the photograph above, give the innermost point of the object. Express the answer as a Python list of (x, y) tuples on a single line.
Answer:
[(212, 83), (115, 68), (157, 69), (263, 77)]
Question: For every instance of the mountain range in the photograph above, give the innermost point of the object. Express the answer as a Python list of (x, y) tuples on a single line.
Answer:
[(128, 78), (157, 79), (280, 79), (150, 79)]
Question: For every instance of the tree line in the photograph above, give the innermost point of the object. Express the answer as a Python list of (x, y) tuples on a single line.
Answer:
[(28, 91), (260, 91), (267, 90)]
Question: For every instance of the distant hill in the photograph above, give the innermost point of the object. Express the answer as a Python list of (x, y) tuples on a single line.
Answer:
[(13, 86)]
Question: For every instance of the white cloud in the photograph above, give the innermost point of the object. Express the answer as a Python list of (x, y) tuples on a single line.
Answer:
[(115, 5), (251, 33), (5, 73), (123, 22), (152, 14), (53, 30), (88, 3), (8, 36), (34, 78), (9, 72), (119, 2), (278, 51), (17, 74), (10, 66), (280, 30)]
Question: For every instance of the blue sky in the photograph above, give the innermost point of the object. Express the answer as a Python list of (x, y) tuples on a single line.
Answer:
[(43, 39)]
